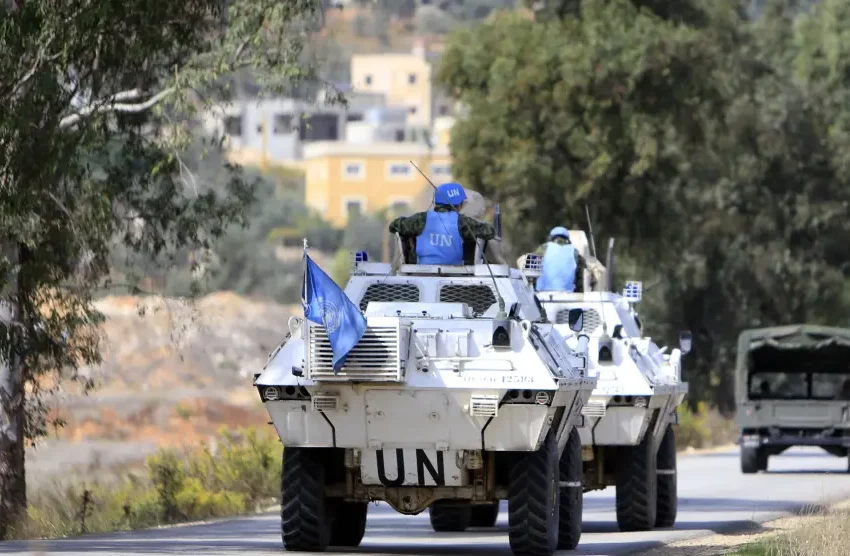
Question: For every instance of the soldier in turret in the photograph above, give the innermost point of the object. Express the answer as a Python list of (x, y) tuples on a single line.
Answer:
[(562, 263), (442, 235)]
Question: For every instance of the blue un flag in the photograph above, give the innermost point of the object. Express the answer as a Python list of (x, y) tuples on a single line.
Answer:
[(325, 303)]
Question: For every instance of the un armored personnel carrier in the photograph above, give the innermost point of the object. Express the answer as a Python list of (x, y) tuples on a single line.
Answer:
[(456, 397), (628, 439), (792, 388)]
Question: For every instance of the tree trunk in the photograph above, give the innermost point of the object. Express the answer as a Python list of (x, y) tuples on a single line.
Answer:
[(13, 492)]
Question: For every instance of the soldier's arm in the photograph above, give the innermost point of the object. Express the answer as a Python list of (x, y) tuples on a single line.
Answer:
[(408, 226), (471, 229)]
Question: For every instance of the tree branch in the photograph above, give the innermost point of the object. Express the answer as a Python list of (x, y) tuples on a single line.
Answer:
[(113, 104)]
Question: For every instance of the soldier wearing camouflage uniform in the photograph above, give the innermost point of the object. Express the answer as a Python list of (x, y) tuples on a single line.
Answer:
[(442, 235)]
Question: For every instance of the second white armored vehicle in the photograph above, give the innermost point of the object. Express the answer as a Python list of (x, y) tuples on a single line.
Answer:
[(628, 439), (456, 397)]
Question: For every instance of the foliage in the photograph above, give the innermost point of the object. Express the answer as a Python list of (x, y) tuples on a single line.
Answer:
[(703, 428), (96, 105), (718, 166), (238, 472)]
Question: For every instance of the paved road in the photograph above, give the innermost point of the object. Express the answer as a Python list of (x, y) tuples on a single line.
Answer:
[(714, 496)]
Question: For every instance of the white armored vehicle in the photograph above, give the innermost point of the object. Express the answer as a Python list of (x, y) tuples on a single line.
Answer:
[(456, 397), (628, 439)]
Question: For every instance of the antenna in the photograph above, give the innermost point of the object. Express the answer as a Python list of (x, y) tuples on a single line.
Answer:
[(590, 230), (501, 314), (593, 248)]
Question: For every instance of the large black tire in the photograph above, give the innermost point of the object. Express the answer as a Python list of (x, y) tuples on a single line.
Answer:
[(450, 517), (668, 497), (349, 524), (762, 459), (534, 501), (485, 516), (637, 487), (750, 460), (304, 516), (571, 471)]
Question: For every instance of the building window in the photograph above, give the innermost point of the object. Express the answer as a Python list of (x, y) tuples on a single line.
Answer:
[(399, 208), (411, 78), (319, 127), (353, 208), (412, 110), (353, 170), (282, 124), (354, 118), (399, 170), (441, 170), (444, 110), (368, 79), (399, 135), (233, 126)]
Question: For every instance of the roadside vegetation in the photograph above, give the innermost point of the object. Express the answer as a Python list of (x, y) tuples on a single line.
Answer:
[(822, 535), (236, 473)]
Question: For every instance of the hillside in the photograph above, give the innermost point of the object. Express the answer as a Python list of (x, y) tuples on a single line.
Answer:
[(172, 373)]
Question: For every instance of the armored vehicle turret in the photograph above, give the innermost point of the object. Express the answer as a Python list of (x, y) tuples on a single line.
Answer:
[(628, 438), (792, 388), (457, 396)]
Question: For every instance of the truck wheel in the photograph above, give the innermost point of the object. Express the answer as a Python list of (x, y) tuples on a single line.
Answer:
[(304, 519), (749, 460), (665, 515), (571, 475), (449, 517), (534, 501), (762, 460), (485, 516), (637, 487), (349, 523)]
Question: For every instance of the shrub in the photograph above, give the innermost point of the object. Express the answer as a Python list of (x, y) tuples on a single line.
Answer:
[(237, 471)]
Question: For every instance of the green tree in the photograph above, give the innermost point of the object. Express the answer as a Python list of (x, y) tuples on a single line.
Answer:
[(688, 142), (95, 100)]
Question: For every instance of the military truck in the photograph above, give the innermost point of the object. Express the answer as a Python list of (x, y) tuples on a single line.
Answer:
[(457, 396), (792, 388), (628, 441)]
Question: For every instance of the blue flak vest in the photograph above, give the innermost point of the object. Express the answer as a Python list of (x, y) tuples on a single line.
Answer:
[(440, 242), (559, 268)]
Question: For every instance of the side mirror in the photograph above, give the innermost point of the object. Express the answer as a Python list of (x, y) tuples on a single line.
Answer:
[(685, 341), (576, 319)]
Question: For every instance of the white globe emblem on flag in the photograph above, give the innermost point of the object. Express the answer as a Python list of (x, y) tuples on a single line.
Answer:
[(330, 316)]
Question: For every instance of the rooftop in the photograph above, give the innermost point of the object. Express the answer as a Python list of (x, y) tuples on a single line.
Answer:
[(321, 149)]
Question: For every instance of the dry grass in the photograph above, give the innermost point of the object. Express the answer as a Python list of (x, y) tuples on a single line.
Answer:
[(237, 472), (820, 535)]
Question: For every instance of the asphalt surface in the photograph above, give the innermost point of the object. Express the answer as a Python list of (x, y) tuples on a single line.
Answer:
[(713, 497)]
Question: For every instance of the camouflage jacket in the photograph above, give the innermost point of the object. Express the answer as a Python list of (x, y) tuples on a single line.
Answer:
[(580, 266), (410, 227)]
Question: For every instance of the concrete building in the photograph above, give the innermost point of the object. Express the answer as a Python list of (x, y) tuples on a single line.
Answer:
[(274, 131), (405, 79), (343, 179)]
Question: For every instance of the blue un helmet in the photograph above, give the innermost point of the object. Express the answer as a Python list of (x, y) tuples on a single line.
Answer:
[(450, 194), (559, 231)]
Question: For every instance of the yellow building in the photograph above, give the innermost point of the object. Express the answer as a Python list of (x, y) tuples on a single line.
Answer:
[(348, 178), (405, 80)]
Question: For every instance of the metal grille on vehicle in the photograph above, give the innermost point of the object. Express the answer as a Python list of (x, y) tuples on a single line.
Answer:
[(403, 293), (483, 406), (594, 408), (375, 358), (480, 298), (323, 402), (591, 322)]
